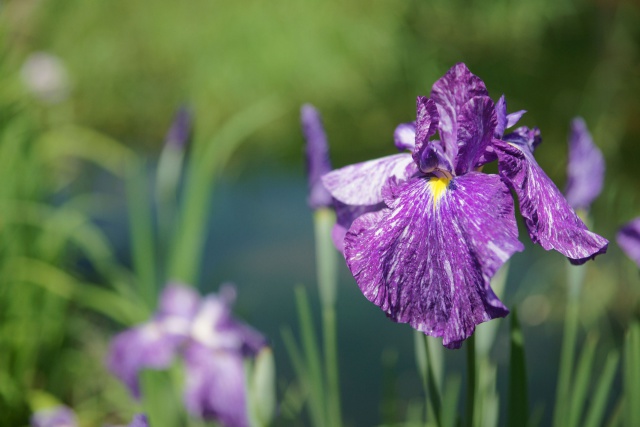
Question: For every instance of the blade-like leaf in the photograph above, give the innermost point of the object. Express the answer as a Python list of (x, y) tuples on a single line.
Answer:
[(518, 409)]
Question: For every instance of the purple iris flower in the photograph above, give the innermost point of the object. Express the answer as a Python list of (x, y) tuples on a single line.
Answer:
[(58, 416), (139, 420), (628, 239), (435, 229), (585, 169), (211, 343)]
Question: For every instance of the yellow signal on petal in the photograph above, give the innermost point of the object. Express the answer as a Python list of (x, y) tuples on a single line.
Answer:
[(438, 188)]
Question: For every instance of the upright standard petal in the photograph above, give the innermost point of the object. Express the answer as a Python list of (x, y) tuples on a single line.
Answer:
[(585, 169), (426, 123), (317, 156), (628, 239), (361, 184), (215, 385), (404, 137), (215, 328), (504, 120), (450, 93), (476, 124), (429, 259), (549, 219)]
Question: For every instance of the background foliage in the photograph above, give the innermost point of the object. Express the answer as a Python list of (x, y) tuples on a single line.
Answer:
[(64, 236)]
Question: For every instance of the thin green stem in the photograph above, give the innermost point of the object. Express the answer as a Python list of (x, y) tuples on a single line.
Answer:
[(327, 286), (433, 393), (471, 378)]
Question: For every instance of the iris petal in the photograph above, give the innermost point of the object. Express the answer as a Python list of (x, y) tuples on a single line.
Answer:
[(549, 219), (404, 137), (476, 124), (629, 240), (427, 260), (450, 93), (215, 385), (585, 169), (361, 184)]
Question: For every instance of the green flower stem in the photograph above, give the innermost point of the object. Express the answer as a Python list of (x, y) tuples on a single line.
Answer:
[(471, 378), (326, 261)]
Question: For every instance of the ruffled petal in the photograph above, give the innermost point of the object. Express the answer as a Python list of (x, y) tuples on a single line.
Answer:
[(450, 93), (404, 137), (585, 169), (361, 184), (628, 239), (476, 124), (215, 386), (427, 260), (549, 219)]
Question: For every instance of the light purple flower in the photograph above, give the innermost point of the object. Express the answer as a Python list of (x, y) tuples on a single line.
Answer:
[(153, 345), (585, 169), (58, 416), (210, 341), (628, 239), (317, 156), (429, 230)]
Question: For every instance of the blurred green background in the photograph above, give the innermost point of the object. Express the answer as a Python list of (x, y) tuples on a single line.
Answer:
[(123, 67)]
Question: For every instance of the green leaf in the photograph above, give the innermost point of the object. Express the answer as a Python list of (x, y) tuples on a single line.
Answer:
[(582, 381), (631, 374), (598, 405), (518, 406)]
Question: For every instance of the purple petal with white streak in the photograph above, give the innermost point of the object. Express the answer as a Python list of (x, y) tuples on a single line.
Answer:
[(215, 385), (504, 120), (426, 123), (430, 265), (433, 158), (549, 219), (476, 124), (361, 184), (514, 118), (404, 137), (628, 239), (585, 169), (450, 93)]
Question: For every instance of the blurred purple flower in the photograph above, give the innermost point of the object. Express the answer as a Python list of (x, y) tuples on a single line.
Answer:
[(585, 169), (430, 230), (58, 416), (317, 157), (139, 420), (180, 130), (212, 343), (628, 239)]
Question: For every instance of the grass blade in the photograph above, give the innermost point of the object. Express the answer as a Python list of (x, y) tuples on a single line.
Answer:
[(312, 356), (632, 374), (599, 403), (518, 406), (581, 383)]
